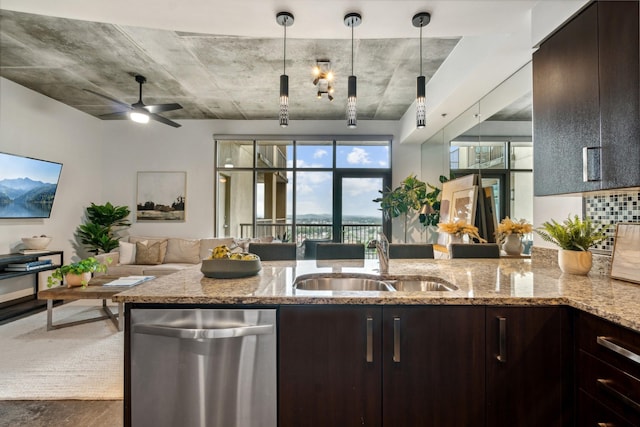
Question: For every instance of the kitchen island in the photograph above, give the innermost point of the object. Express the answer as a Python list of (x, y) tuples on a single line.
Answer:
[(479, 282), (513, 344)]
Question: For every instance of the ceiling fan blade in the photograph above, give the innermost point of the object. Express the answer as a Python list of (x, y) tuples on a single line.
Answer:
[(164, 120), (115, 115), (160, 108), (109, 98)]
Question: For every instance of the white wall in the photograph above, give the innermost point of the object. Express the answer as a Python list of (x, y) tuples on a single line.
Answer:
[(553, 207), (36, 126)]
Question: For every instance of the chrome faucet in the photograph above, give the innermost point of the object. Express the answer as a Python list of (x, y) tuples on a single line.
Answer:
[(382, 247)]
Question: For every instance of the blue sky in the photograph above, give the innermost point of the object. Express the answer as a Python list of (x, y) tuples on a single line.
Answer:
[(13, 166)]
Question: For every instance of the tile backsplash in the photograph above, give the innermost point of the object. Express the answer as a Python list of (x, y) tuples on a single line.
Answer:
[(612, 208)]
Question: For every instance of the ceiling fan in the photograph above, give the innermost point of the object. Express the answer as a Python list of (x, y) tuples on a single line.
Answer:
[(139, 112)]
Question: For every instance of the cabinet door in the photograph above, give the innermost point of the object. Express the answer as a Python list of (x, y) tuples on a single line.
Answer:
[(566, 114), (618, 49), (528, 367), (433, 366), (329, 366)]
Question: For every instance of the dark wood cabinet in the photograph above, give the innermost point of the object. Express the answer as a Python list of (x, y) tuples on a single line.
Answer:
[(608, 374), (586, 102), (528, 358), (325, 376), (373, 366), (433, 366)]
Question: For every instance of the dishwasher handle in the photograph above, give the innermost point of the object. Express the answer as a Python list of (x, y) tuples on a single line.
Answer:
[(204, 333)]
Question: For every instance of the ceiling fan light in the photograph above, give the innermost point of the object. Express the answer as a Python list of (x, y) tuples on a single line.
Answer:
[(139, 116)]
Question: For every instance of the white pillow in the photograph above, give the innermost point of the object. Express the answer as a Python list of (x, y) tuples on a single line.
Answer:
[(127, 253)]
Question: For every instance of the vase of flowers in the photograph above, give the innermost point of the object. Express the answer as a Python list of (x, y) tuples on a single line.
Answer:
[(510, 234), (458, 229)]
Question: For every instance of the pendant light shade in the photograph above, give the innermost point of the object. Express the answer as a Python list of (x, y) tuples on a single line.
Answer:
[(420, 20), (285, 19), (352, 20)]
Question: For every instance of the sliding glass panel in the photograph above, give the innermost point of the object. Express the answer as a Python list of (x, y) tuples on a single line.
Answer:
[(274, 192), (521, 155), (361, 216), (314, 154), (314, 205), (234, 205), (235, 154), (374, 154)]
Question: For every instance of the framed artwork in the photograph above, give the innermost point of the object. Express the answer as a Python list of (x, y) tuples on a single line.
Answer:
[(446, 199), (161, 196), (463, 205), (626, 252)]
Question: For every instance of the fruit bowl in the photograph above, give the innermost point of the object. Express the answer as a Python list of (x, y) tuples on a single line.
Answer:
[(36, 242), (225, 268)]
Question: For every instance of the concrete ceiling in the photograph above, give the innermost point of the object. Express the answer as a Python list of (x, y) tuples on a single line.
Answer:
[(222, 59)]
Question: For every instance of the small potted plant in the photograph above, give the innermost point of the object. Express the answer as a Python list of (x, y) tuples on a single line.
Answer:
[(76, 274), (574, 237), (458, 229), (510, 234)]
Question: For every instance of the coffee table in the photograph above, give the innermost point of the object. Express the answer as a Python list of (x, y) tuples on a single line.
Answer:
[(94, 290)]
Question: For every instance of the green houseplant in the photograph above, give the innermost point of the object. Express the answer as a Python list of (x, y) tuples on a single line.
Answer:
[(403, 199), (103, 222), (574, 237), (77, 273)]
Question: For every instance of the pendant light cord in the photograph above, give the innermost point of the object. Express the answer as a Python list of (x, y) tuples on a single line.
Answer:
[(421, 48), (352, 50), (284, 61)]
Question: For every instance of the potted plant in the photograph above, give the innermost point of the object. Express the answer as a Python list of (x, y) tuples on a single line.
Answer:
[(574, 237), (77, 273), (403, 199), (103, 222), (510, 233)]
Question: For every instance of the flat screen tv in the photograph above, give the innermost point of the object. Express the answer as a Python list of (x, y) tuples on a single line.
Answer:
[(27, 186)]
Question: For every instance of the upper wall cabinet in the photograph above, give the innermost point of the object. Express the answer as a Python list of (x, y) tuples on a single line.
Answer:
[(586, 102)]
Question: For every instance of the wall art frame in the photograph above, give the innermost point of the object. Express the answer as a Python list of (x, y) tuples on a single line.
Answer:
[(161, 196)]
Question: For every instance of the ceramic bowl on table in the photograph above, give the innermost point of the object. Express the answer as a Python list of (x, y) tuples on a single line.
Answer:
[(36, 243), (225, 268)]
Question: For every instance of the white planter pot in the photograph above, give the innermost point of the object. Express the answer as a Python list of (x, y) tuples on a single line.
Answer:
[(575, 262)]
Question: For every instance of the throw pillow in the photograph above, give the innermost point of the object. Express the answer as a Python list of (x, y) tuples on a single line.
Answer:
[(148, 253), (127, 253), (183, 251), (163, 243)]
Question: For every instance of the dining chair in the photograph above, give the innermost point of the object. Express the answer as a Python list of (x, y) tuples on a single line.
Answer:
[(477, 250), (340, 251), (410, 250), (274, 251)]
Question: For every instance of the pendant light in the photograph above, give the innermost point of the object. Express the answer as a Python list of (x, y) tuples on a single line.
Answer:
[(352, 20), (286, 20), (420, 20)]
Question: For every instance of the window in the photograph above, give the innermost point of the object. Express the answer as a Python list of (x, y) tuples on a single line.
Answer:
[(301, 189)]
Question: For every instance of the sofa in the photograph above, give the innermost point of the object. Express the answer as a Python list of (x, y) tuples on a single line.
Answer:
[(158, 256)]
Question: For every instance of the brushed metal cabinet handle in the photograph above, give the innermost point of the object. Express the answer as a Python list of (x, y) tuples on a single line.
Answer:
[(369, 351), (606, 425), (202, 333), (396, 339), (605, 384), (591, 157), (607, 343), (502, 340)]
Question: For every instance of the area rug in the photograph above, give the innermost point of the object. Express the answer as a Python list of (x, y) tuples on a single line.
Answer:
[(82, 362)]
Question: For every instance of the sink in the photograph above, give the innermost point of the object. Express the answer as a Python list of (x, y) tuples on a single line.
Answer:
[(403, 285), (345, 284)]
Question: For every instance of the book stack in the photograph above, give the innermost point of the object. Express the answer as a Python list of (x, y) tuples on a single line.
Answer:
[(129, 280), (28, 266)]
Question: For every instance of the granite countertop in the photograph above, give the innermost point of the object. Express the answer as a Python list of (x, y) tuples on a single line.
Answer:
[(480, 282)]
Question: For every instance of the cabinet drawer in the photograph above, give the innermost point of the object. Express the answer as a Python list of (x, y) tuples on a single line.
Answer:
[(614, 388), (595, 414), (611, 343)]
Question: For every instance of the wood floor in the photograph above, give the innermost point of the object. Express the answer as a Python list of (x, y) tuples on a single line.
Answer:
[(59, 413)]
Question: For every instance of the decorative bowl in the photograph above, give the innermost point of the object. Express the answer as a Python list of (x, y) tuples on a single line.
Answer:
[(230, 268), (36, 243)]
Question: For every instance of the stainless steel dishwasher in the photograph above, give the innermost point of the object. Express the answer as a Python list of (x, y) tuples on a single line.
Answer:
[(203, 367)]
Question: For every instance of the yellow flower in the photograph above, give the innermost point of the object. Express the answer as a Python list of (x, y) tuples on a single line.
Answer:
[(507, 226), (459, 228)]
